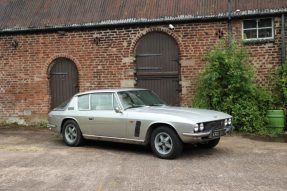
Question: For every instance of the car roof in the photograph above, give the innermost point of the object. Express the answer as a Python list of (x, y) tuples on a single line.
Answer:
[(109, 90)]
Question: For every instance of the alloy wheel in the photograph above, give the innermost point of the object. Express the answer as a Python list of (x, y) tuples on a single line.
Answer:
[(163, 143), (71, 133)]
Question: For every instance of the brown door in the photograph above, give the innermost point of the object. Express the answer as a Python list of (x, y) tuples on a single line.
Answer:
[(63, 81), (157, 66)]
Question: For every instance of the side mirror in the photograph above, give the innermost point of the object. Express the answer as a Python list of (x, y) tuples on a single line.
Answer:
[(118, 110)]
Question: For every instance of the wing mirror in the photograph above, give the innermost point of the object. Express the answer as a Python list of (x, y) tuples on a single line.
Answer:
[(118, 110)]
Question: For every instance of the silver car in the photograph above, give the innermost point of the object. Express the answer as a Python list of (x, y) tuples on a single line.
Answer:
[(137, 116)]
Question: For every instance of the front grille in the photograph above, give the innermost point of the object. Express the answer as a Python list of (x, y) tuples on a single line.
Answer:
[(214, 125)]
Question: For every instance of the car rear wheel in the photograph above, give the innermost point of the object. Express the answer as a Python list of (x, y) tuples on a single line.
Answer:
[(72, 134), (210, 144), (165, 143)]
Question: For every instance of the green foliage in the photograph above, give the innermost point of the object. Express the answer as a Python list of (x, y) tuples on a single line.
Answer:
[(42, 124), (227, 84), (279, 84), (282, 84)]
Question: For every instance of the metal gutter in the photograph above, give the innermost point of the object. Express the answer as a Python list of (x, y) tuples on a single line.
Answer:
[(283, 47), (140, 21)]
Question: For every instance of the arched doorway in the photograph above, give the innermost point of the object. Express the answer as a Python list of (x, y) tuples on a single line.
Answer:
[(157, 66), (63, 80)]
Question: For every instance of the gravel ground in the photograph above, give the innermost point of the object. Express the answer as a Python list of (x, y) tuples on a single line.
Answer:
[(38, 160)]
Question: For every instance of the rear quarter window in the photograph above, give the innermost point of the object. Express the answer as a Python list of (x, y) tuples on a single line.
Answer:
[(63, 105), (84, 102)]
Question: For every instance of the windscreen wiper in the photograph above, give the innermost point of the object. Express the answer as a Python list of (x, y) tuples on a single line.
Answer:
[(156, 104), (135, 106)]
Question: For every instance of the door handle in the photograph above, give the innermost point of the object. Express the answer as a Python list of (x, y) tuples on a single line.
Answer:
[(91, 118)]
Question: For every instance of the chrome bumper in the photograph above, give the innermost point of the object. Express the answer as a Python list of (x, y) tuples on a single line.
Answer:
[(228, 129), (205, 134)]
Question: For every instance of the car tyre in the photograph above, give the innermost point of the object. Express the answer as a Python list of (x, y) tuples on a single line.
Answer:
[(165, 143), (72, 134), (210, 144)]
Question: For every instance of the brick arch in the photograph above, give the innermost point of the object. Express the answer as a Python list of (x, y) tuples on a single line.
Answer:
[(48, 64), (150, 30), (161, 74)]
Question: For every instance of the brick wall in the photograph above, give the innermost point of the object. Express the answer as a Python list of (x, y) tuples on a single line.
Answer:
[(24, 84), (265, 56)]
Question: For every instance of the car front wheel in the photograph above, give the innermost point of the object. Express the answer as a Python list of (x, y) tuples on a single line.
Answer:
[(165, 143), (72, 134)]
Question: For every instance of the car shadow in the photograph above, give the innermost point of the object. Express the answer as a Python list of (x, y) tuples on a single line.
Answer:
[(117, 147), (192, 151), (189, 151)]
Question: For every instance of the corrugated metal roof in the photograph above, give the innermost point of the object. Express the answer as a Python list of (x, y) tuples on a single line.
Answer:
[(17, 15)]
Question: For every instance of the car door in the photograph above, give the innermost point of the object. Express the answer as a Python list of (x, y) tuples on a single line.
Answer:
[(103, 120)]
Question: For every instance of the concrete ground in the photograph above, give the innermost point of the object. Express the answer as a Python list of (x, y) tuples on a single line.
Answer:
[(39, 160)]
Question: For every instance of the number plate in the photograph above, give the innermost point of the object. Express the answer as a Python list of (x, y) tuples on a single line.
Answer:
[(216, 134)]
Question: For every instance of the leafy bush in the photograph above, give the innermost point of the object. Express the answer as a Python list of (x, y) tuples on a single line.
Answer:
[(281, 88), (227, 84)]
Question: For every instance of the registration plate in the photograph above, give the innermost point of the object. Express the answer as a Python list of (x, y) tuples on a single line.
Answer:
[(216, 134)]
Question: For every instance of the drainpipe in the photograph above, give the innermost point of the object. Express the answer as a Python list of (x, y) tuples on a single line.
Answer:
[(283, 47), (229, 24)]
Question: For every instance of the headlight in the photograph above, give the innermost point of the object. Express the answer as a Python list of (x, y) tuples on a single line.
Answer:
[(225, 122), (229, 121), (201, 127)]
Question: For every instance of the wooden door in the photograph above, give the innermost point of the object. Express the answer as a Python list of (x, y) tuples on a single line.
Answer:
[(157, 66), (63, 79)]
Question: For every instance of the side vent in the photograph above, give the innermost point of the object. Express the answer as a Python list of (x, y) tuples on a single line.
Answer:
[(138, 129)]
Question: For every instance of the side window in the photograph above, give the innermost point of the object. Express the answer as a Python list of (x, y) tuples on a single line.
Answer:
[(102, 101), (83, 102)]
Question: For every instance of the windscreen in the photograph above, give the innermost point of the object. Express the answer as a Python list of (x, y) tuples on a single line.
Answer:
[(139, 98)]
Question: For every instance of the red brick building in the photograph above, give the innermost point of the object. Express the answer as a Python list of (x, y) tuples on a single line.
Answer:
[(50, 50)]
